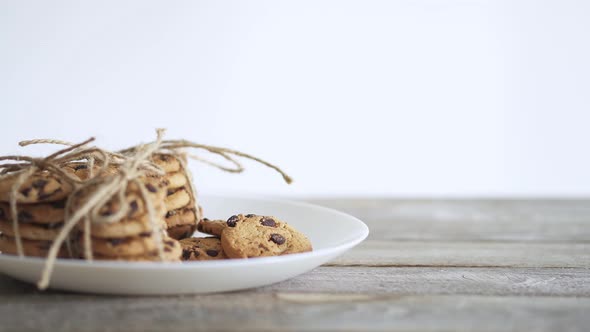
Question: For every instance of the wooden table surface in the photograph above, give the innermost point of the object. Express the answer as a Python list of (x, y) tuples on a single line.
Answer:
[(428, 265)]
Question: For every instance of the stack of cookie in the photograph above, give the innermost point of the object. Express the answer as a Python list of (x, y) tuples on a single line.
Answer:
[(244, 236), (133, 236), (180, 202), (40, 213)]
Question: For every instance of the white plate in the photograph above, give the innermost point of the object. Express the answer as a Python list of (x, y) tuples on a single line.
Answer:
[(331, 233)]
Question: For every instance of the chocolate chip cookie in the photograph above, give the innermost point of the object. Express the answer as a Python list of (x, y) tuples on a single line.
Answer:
[(213, 227), (127, 226), (39, 187), (42, 213), (172, 253), (167, 162), (177, 199), (202, 249), (36, 248), (127, 246), (82, 170), (175, 180), (255, 236), (32, 231), (133, 199)]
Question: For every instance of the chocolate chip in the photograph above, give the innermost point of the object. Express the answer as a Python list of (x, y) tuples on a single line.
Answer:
[(170, 214), (106, 213), (205, 219), (265, 221), (164, 157), (170, 192), (186, 254), (26, 191), (231, 222), (145, 234), (212, 252), (167, 249), (54, 225), (250, 215), (187, 234), (133, 206), (79, 167), (58, 204), (44, 245), (170, 243), (277, 238), (39, 183), (151, 187), (25, 216), (43, 196), (116, 241)]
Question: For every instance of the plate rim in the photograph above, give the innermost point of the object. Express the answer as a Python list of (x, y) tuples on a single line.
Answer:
[(349, 243)]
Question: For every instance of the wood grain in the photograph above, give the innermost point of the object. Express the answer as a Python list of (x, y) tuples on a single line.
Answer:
[(463, 253), (471, 220), (437, 281), (258, 311)]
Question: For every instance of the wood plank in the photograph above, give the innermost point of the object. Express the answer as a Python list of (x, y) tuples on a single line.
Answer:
[(247, 311), (471, 220), (475, 254), (411, 281), (430, 280)]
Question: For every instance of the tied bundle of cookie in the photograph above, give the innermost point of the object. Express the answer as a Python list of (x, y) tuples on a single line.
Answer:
[(33, 198), (131, 205), (244, 236)]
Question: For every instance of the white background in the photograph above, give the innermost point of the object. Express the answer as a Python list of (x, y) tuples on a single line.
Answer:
[(402, 98)]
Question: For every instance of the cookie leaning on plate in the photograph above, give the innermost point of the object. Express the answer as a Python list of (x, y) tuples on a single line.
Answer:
[(298, 243), (250, 235)]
